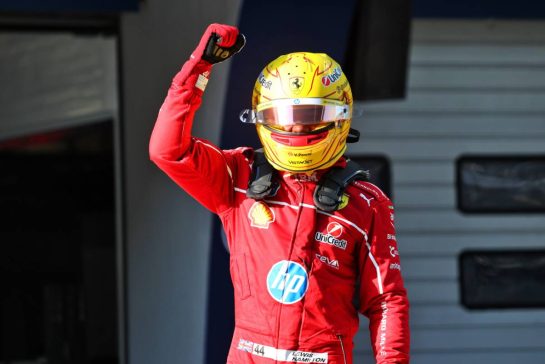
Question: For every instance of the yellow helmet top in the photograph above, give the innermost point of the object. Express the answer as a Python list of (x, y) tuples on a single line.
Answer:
[(302, 108)]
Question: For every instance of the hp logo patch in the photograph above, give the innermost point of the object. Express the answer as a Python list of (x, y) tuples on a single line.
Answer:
[(287, 282)]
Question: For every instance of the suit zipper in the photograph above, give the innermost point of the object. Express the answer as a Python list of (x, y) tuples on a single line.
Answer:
[(340, 337), (301, 195)]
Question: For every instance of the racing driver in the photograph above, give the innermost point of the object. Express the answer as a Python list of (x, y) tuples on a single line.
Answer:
[(311, 241)]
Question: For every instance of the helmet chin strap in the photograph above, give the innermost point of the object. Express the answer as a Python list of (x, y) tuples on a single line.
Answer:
[(353, 136)]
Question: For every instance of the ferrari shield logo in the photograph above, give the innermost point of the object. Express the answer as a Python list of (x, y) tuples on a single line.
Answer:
[(296, 84)]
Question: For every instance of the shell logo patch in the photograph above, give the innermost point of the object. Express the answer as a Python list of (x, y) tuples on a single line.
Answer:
[(261, 215)]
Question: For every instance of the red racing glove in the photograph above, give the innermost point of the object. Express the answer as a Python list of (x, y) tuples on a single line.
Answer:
[(218, 43)]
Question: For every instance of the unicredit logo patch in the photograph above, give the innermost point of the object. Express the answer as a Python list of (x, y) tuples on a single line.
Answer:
[(334, 231), (332, 78)]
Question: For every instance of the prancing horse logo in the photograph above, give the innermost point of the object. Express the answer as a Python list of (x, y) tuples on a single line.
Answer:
[(296, 84)]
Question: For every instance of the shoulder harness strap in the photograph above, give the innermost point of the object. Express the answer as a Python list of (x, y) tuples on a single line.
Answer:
[(329, 191), (263, 181)]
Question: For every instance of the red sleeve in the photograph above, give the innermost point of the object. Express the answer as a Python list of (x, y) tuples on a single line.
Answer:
[(383, 296), (196, 165)]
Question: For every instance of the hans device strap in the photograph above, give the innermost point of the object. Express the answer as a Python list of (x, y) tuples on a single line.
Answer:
[(328, 193), (262, 181)]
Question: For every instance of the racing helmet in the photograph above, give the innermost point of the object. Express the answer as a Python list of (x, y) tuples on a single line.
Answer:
[(302, 108)]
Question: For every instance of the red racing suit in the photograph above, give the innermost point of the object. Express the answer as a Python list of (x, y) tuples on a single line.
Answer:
[(296, 270)]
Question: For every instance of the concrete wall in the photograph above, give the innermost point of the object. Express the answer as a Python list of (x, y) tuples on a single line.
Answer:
[(167, 233), (54, 80)]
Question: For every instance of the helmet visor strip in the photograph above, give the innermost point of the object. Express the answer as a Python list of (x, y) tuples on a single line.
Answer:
[(307, 111)]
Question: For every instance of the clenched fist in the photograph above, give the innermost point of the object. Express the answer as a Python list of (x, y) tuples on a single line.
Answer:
[(218, 43)]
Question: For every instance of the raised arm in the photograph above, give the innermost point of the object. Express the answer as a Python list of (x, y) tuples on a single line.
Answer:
[(196, 165)]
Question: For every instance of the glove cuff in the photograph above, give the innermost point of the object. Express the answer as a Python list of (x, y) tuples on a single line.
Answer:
[(194, 74)]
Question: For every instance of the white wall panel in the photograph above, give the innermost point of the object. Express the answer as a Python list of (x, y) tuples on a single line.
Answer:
[(411, 173), (476, 357), (450, 243), (481, 52), (418, 268), (428, 195), (427, 291), (475, 87), (475, 101), (450, 148), (455, 316), (453, 221), (389, 124), (461, 76)]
